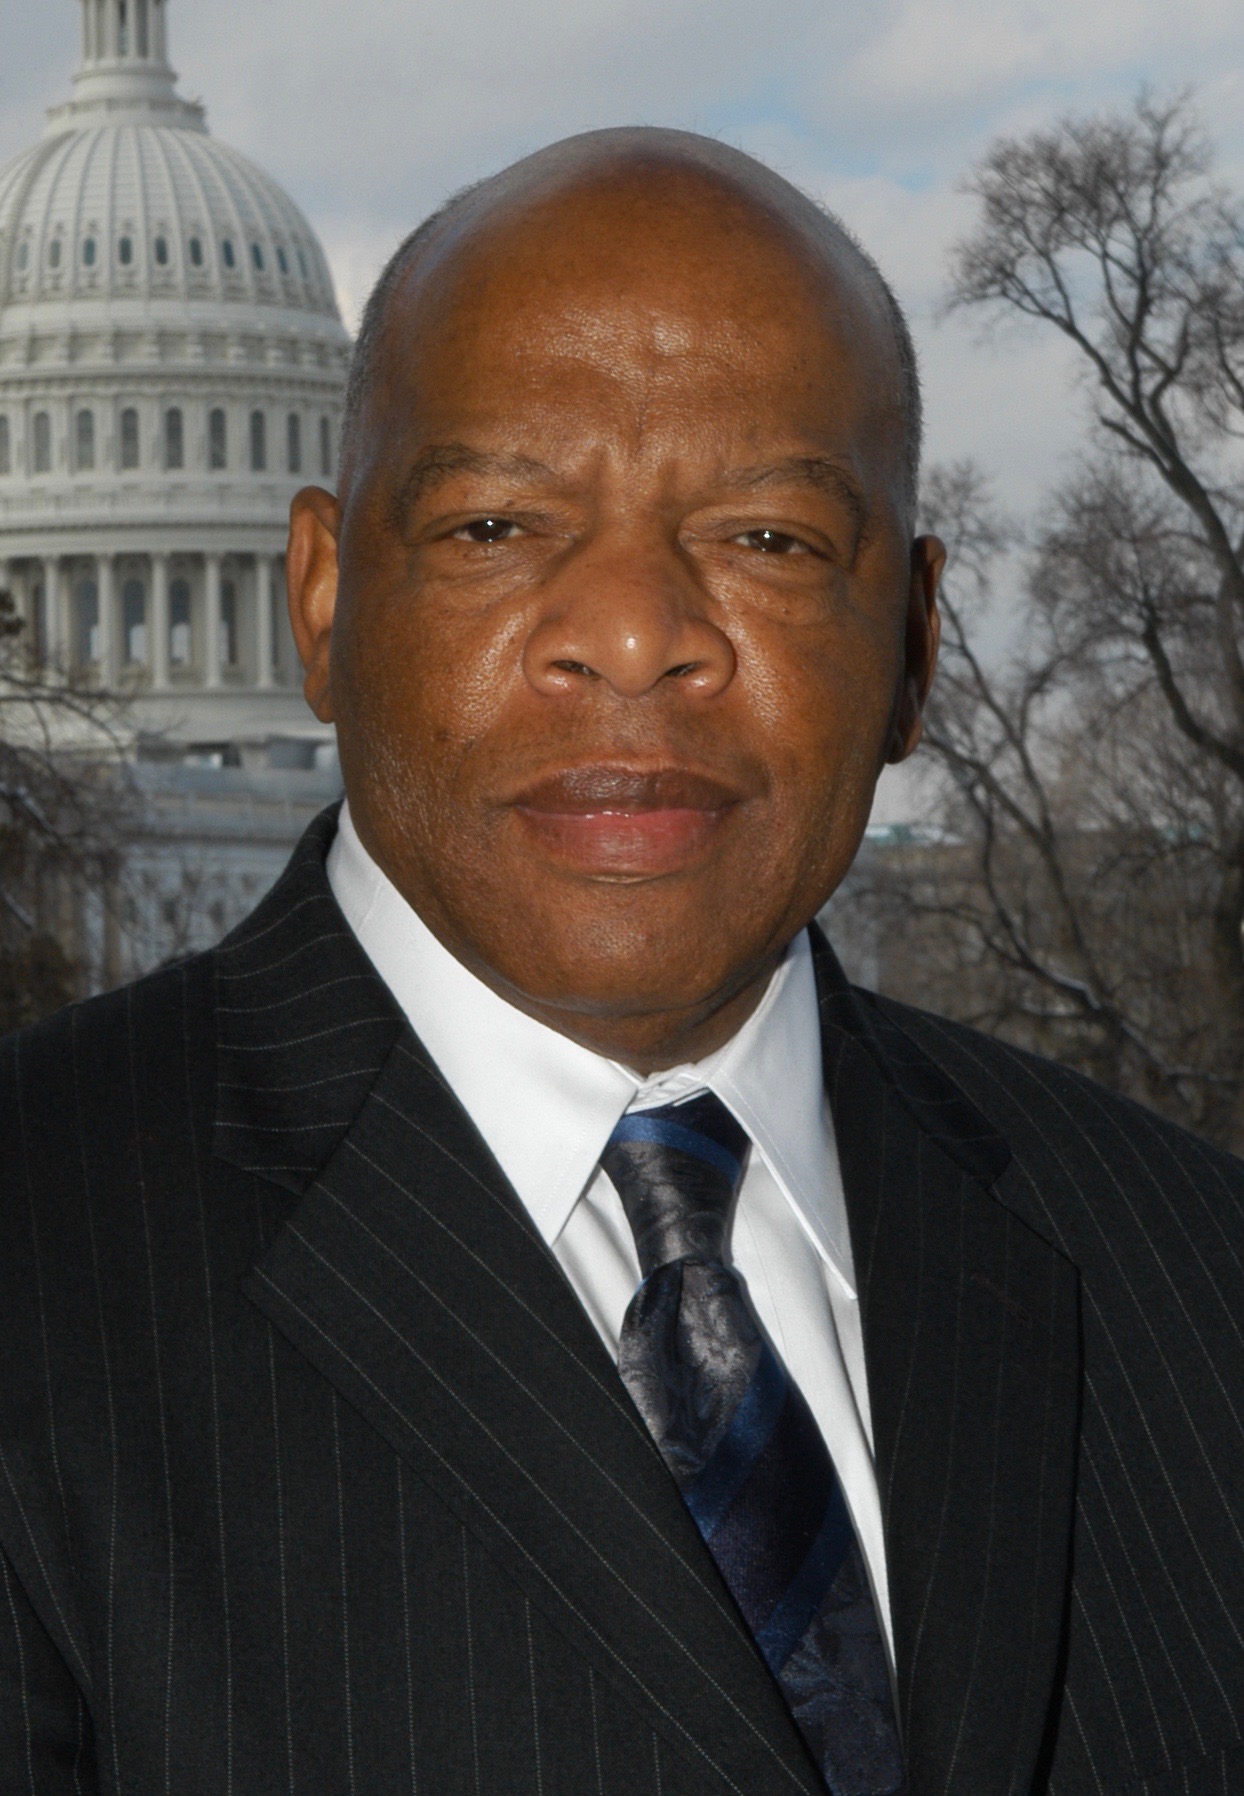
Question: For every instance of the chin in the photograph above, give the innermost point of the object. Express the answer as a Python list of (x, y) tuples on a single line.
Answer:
[(617, 967)]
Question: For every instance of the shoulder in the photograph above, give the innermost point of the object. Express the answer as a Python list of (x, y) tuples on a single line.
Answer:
[(141, 1041), (104, 1099), (1102, 1176), (1027, 1096)]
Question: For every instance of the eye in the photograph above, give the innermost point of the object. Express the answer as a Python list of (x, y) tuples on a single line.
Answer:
[(772, 542), (487, 530)]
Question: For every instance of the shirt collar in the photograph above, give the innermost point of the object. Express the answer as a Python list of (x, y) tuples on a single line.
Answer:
[(546, 1106)]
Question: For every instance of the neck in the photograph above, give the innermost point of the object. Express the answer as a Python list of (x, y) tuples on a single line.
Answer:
[(645, 1041)]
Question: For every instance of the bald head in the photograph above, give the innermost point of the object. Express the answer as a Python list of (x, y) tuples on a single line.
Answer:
[(651, 173)]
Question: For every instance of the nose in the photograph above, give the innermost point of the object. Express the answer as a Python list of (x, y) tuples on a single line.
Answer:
[(630, 616)]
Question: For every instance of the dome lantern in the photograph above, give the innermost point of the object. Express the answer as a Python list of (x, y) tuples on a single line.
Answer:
[(125, 71), (129, 32)]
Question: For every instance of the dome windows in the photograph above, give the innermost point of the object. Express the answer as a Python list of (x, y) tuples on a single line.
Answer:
[(84, 442), (41, 433), (174, 438), (6, 446), (293, 442), (161, 252), (217, 439), (302, 263), (23, 255), (259, 443), (129, 439), (282, 260), (326, 448), (257, 256), (196, 252), (89, 253), (125, 252), (54, 248), (228, 253)]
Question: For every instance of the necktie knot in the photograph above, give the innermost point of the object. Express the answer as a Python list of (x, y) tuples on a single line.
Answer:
[(678, 1171)]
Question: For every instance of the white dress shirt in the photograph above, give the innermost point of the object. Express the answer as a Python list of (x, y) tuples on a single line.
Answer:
[(546, 1107)]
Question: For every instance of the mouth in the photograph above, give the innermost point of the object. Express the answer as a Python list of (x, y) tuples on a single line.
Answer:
[(626, 822)]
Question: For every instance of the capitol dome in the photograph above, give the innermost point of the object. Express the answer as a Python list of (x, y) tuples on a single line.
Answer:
[(172, 367)]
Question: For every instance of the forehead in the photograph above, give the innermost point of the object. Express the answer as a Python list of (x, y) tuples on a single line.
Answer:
[(641, 283)]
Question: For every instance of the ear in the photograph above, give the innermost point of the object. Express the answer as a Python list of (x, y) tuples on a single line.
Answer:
[(922, 635), (311, 579)]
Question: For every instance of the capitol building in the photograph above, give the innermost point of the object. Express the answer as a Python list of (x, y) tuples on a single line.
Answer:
[(172, 367)]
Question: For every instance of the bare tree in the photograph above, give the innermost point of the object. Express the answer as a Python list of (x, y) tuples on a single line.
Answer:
[(1085, 892), (66, 811)]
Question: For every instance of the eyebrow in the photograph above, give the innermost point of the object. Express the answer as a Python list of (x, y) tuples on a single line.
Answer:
[(819, 471), (442, 460)]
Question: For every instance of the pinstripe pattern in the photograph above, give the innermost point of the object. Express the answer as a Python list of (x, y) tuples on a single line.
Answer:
[(314, 1477), (1155, 1224)]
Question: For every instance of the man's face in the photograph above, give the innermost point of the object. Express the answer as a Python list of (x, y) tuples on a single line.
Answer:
[(626, 621)]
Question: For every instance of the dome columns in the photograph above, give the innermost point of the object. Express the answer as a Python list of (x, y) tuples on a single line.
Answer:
[(123, 31), (106, 620), (158, 633), (161, 621), (212, 623), (57, 636), (265, 607)]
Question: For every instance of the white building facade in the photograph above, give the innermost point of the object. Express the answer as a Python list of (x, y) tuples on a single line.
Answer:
[(172, 367)]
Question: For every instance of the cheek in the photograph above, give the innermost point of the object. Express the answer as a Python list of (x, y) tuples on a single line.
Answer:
[(425, 683), (823, 709), (823, 698)]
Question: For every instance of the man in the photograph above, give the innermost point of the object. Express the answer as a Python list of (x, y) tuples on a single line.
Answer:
[(513, 1318)]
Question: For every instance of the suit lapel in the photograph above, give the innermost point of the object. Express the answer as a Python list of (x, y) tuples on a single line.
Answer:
[(972, 1345), (410, 1276)]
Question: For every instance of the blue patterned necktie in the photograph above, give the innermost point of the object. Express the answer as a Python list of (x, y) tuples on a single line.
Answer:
[(740, 1440)]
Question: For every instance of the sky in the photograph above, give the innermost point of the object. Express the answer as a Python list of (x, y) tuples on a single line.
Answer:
[(372, 112)]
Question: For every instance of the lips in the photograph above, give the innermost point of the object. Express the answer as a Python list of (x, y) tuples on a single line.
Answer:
[(625, 822)]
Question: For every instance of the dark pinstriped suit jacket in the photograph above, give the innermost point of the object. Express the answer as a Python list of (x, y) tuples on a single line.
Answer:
[(315, 1478)]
